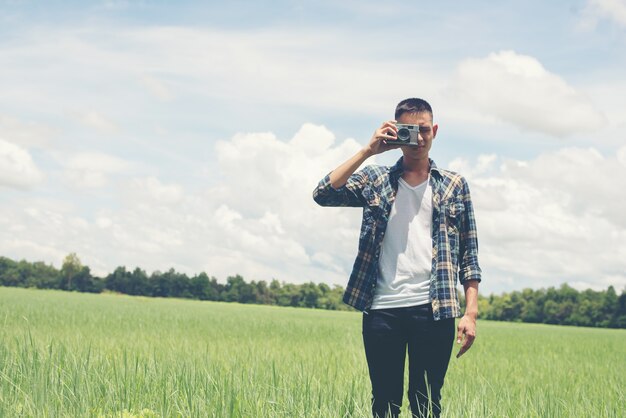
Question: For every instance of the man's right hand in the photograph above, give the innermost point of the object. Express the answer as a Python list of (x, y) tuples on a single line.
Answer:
[(387, 132), (378, 144)]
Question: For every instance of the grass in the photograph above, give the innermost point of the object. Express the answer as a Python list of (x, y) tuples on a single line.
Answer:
[(73, 355)]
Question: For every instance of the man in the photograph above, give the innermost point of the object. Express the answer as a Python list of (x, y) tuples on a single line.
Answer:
[(418, 236)]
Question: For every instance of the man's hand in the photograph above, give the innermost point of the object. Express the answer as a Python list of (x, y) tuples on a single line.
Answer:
[(467, 329), (379, 142)]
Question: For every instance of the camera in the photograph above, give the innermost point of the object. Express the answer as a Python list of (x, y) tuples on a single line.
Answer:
[(407, 134)]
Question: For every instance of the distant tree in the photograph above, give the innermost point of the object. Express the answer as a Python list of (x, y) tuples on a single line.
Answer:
[(10, 273), (550, 312), (583, 314), (200, 287), (609, 307), (567, 309), (117, 281), (70, 268), (262, 293), (323, 301), (85, 282), (137, 283), (567, 293), (204, 288), (484, 309), (336, 299), (619, 317), (237, 290), (275, 290), (309, 295), (170, 284), (216, 289), (531, 311), (45, 276), (289, 295), (504, 308)]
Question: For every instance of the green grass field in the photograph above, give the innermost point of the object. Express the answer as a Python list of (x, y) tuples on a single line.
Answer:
[(70, 354)]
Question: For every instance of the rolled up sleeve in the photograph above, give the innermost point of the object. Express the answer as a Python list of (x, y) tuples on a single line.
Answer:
[(347, 195), (469, 268)]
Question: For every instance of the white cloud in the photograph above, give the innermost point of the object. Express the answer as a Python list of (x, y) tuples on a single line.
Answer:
[(150, 189), (269, 183), (484, 163), (543, 221), (272, 67), (259, 220), (25, 134), (156, 87), (189, 86), (613, 10), (96, 120), (91, 170), (517, 89), (17, 168), (552, 219), (301, 67), (621, 156)]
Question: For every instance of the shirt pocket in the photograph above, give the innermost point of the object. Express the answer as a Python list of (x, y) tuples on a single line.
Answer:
[(371, 197), (454, 210)]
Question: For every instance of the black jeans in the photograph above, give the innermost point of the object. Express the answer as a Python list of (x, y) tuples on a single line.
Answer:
[(386, 335)]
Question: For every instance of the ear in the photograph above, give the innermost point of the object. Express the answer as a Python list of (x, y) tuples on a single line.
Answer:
[(435, 127)]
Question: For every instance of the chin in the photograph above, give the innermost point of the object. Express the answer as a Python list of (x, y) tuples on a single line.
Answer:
[(415, 152)]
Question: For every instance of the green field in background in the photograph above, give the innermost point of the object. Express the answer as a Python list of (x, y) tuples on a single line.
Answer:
[(72, 354)]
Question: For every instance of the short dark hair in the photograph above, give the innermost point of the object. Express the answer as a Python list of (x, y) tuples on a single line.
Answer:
[(413, 106)]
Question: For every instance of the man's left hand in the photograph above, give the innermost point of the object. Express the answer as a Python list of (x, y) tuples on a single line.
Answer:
[(466, 333)]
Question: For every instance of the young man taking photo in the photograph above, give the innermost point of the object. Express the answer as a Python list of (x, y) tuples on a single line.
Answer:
[(418, 237)]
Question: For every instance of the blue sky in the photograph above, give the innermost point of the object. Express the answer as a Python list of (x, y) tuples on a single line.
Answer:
[(190, 134)]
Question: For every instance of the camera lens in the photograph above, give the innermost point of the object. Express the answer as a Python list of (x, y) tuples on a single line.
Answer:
[(404, 134)]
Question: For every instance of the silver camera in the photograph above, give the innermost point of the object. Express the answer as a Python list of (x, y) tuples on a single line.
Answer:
[(407, 134)]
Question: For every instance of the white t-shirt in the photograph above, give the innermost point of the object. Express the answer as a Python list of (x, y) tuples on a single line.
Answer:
[(405, 261)]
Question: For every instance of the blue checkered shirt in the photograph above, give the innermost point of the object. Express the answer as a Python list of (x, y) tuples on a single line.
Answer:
[(455, 243)]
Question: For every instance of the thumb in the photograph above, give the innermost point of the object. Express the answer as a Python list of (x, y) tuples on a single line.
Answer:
[(459, 335)]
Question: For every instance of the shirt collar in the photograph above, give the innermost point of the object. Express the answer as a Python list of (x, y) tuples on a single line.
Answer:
[(397, 170)]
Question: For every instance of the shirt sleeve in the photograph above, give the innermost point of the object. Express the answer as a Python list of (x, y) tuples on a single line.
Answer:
[(349, 194), (468, 250)]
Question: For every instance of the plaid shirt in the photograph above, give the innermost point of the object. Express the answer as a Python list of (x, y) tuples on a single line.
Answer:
[(455, 243)]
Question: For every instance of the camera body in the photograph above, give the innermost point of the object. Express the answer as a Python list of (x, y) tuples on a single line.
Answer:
[(407, 135)]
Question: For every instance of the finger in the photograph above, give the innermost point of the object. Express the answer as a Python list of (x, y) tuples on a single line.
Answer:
[(391, 136), (389, 146), (459, 335), (469, 340), (389, 125), (461, 352)]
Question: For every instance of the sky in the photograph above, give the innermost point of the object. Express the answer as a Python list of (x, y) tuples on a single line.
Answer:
[(190, 135)]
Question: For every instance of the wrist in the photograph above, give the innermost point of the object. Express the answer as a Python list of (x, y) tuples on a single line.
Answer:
[(366, 152), (471, 314)]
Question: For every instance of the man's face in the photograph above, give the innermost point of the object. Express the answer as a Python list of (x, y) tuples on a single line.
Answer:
[(427, 133)]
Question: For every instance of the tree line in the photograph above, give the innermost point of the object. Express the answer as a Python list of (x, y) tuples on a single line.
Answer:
[(564, 305), (73, 276)]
